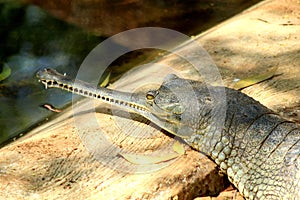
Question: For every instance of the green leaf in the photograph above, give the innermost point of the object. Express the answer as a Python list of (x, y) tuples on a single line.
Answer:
[(6, 71)]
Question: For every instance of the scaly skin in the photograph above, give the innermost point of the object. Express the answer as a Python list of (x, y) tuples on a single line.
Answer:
[(257, 149)]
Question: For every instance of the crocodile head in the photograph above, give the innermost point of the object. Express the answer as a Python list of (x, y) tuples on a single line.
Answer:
[(180, 106)]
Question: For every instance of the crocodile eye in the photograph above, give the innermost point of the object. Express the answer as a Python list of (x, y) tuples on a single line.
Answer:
[(150, 96)]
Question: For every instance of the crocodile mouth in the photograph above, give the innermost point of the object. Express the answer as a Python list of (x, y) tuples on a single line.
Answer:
[(149, 109), (50, 83)]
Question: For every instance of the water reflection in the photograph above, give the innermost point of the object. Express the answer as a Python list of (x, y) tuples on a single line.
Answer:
[(31, 39)]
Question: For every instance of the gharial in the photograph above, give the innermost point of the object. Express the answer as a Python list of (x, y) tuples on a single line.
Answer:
[(257, 149)]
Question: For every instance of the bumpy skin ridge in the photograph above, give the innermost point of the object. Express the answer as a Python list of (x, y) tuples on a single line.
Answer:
[(258, 150)]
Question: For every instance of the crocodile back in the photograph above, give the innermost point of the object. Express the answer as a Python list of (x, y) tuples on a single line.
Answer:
[(264, 162), (257, 149)]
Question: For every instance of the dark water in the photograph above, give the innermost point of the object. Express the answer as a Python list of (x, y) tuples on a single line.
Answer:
[(31, 39)]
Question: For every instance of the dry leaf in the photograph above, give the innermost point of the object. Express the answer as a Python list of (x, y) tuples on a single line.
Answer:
[(51, 108), (105, 82), (246, 82), (148, 159), (178, 148)]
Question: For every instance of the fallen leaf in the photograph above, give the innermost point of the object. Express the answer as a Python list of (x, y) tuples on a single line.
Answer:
[(51, 108), (105, 82), (148, 159), (178, 148), (251, 80)]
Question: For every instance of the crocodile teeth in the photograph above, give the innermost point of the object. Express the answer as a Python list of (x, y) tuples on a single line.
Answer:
[(46, 84)]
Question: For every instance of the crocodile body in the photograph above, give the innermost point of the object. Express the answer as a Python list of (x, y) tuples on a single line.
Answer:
[(256, 148)]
